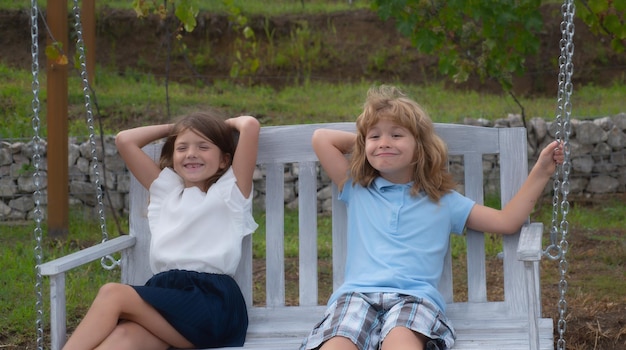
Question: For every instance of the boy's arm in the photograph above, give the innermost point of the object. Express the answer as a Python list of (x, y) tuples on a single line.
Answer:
[(515, 213), (244, 159), (331, 146), (129, 143)]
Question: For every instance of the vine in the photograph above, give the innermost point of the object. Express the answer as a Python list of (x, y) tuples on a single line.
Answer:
[(247, 60), (185, 10)]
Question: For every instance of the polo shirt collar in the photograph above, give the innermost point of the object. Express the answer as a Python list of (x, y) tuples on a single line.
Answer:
[(380, 183)]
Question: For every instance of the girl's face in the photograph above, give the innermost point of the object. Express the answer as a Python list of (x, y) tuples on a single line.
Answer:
[(389, 149), (196, 158)]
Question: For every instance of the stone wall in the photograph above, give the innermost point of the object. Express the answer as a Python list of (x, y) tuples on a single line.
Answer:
[(598, 160)]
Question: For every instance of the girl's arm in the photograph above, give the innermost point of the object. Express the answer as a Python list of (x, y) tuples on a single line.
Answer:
[(244, 159), (331, 146), (514, 214), (129, 143)]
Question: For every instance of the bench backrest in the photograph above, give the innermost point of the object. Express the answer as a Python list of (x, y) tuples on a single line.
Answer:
[(280, 145)]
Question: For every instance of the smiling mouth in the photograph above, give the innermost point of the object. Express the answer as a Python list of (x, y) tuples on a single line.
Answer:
[(193, 166)]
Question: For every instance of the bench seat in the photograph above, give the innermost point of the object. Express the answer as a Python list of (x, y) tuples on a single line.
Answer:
[(512, 323)]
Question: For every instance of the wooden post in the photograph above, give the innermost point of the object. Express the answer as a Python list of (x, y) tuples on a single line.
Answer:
[(57, 110), (88, 15)]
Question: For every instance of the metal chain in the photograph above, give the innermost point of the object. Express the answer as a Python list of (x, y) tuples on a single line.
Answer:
[(559, 246), (107, 262), (37, 196)]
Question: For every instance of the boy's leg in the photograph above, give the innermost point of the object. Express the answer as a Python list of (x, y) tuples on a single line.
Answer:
[(349, 323), (338, 343), (117, 301), (401, 338), (414, 321)]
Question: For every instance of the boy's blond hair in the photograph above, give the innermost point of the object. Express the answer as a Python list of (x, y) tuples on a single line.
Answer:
[(430, 156)]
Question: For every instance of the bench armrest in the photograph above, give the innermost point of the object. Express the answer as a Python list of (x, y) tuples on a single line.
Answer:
[(87, 255), (529, 251), (56, 270), (529, 247)]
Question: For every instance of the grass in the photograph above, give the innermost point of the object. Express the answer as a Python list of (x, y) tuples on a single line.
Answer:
[(17, 281), (133, 98)]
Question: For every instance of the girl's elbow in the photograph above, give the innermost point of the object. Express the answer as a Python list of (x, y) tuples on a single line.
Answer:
[(317, 138), (120, 139), (253, 122), (250, 124)]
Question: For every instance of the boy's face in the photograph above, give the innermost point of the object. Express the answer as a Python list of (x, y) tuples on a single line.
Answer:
[(389, 149), (196, 158)]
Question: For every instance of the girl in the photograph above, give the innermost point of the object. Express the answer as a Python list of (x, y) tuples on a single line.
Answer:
[(199, 211), (401, 209)]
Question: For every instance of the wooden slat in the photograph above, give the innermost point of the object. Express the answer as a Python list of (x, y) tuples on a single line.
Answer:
[(307, 222), (243, 275), (463, 139), (58, 313), (340, 238), (274, 235), (137, 258), (513, 172), (292, 143), (476, 270)]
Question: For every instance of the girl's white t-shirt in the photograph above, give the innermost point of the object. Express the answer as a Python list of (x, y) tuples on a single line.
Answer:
[(197, 231)]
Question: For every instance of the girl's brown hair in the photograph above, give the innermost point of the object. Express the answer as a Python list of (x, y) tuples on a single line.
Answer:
[(207, 124), (430, 156)]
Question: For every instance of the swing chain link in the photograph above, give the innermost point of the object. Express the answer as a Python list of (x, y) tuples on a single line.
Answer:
[(37, 178), (107, 262), (559, 246)]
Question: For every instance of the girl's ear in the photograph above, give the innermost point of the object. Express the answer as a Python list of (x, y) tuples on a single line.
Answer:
[(226, 161)]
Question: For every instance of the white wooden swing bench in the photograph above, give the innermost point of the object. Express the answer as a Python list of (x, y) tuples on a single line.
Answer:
[(514, 323)]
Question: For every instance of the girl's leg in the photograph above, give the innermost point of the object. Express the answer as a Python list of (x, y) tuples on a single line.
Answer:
[(338, 343), (116, 302), (402, 338), (131, 336)]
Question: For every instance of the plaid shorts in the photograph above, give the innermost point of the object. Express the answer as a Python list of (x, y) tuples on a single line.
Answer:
[(367, 318)]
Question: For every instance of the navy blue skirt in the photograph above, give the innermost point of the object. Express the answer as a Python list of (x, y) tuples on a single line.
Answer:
[(207, 309)]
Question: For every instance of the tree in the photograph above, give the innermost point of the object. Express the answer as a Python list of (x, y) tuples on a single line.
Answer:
[(490, 38)]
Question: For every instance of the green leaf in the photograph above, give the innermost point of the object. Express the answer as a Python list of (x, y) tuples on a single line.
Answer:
[(617, 45), (54, 52), (598, 6), (613, 24), (141, 8), (186, 12), (248, 32)]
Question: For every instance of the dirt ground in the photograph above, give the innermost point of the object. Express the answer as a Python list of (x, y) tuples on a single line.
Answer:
[(350, 40)]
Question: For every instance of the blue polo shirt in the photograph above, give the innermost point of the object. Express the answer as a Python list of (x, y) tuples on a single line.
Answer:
[(398, 242)]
